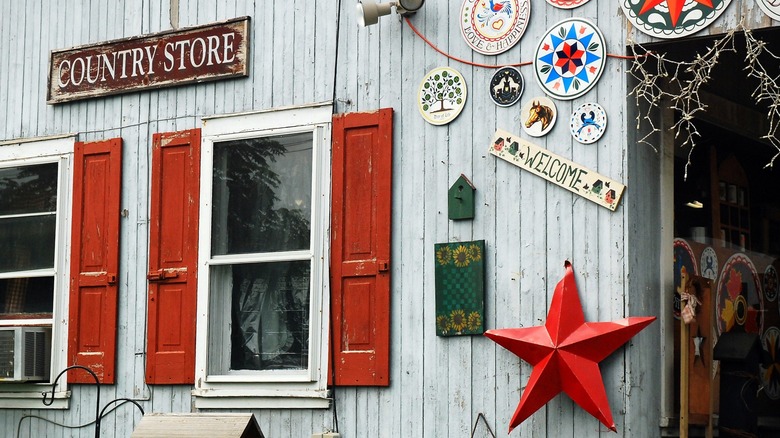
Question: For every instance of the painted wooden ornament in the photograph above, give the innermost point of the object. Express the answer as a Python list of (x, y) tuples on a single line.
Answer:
[(565, 353), (672, 18), (493, 26), (570, 59), (567, 4), (506, 86), (588, 123), (770, 7), (538, 115), (442, 95)]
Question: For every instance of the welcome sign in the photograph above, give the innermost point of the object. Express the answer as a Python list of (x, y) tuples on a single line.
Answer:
[(556, 169), (196, 54)]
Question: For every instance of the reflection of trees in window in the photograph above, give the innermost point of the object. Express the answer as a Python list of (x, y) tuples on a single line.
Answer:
[(28, 202), (270, 301)]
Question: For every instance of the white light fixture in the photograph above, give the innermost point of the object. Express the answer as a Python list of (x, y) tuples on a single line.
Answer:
[(369, 11), (694, 204)]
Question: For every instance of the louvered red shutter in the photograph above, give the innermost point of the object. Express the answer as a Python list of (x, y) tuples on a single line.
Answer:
[(97, 169), (173, 253), (360, 247)]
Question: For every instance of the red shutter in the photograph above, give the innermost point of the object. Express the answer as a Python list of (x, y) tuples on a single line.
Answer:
[(360, 247), (173, 255), (94, 265)]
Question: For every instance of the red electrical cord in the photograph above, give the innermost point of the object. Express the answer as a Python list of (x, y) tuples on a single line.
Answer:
[(477, 64)]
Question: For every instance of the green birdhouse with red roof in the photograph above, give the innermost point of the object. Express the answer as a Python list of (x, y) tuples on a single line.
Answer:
[(461, 199)]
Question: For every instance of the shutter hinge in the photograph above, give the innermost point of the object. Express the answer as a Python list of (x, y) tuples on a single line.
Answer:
[(161, 274), (383, 265)]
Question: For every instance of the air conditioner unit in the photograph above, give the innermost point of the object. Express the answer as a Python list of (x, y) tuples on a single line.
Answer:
[(25, 353)]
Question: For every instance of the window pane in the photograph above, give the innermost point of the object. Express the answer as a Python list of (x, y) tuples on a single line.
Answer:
[(269, 315), (28, 189), (262, 194), (26, 297), (27, 243)]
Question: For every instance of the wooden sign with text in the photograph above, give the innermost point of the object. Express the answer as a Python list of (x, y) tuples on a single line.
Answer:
[(195, 54), (558, 170)]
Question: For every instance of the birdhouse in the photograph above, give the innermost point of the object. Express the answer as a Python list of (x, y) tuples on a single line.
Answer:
[(461, 199)]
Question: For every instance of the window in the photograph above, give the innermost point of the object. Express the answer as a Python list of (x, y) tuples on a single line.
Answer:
[(262, 259), (34, 238)]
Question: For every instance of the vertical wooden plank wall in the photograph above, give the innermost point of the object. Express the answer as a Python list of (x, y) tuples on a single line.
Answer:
[(438, 385)]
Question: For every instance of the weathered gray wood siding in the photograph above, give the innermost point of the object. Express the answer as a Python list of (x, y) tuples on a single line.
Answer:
[(438, 385)]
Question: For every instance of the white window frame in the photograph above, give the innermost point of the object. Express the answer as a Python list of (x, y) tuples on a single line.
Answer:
[(37, 151), (278, 388)]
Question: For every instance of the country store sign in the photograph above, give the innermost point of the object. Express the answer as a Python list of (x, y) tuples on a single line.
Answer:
[(195, 54)]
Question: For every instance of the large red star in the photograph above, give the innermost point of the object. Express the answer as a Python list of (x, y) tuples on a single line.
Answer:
[(675, 7), (565, 353)]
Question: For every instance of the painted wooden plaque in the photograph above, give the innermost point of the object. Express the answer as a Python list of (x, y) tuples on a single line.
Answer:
[(556, 169), (588, 123), (460, 288), (570, 59), (442, 95), (685, 269), (770, 7), (672, 19), (538, 115), (769, 368), (567, 4), (506, 86), (493, 26)]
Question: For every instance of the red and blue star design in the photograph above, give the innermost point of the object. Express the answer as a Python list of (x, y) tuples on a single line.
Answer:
[(569, 59)]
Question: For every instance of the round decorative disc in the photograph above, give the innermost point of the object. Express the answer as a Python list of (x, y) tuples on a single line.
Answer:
[(770, 7), (770, 367), (506, 86), (588, 123), (493, 26), (570, 59), (567, 4), (709, 263), (442, 95), (739, 301), (672, 18), (538, 116), (770, 283)]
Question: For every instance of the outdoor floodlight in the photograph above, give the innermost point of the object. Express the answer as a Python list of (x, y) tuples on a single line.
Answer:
[(369, 11)]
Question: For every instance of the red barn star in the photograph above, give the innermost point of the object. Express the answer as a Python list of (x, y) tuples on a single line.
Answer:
[(675, 7), (565, 353)]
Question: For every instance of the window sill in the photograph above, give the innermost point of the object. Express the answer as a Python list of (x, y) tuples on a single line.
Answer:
[(33, 399), (260, 399)]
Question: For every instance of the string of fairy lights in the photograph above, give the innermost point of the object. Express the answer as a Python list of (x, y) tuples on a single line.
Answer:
[(660, 80)]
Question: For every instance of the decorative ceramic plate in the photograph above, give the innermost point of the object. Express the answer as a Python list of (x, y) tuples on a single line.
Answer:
[(770, 368), (506, 86), (672, 18), (770, 283), (770, 7), (538, 116), (493, 26), (567, 4), (684, 268), (442, 95), (588, 123), (709, 263), (740, 304), (570, 59)]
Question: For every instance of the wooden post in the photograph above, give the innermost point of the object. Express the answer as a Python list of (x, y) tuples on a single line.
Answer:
[(683, 377)]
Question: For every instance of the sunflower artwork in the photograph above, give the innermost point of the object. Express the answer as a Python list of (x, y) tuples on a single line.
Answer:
[(460, 288)]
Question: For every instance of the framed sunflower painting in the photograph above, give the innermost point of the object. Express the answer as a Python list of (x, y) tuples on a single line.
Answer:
[(460, 288)]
